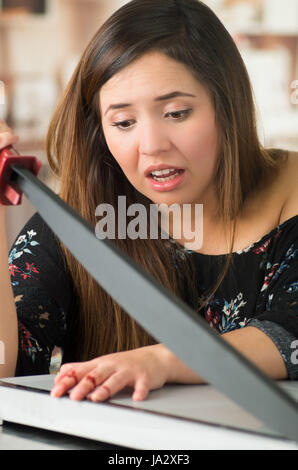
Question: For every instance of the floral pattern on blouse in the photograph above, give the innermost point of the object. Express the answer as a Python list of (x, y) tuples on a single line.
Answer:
[(36, 315), (17, 252), (29, 345), (228, 313)]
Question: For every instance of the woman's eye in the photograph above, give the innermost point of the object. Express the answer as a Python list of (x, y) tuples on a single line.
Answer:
[(120, 124), (184, 112), (176, 115)]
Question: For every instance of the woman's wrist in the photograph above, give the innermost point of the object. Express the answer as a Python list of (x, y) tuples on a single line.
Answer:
[(177, 371)]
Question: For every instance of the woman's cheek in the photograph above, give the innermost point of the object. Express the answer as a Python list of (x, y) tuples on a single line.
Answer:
[(121, 150), (205, 144), (128, 163)]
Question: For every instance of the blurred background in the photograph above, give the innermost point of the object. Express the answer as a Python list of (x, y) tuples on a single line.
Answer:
[(42, 40)]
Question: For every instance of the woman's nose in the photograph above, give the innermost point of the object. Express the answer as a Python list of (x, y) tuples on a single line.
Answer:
[(153, 139)]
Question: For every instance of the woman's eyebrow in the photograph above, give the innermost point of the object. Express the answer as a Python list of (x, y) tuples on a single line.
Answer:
[(168, 96)]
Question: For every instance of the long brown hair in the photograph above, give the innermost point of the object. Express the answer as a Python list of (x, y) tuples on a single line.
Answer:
[(190, 33)]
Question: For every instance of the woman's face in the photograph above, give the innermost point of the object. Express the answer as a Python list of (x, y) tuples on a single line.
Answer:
[(145, 129)]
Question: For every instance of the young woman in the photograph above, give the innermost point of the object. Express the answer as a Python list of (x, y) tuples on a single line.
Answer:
[(160, 86)]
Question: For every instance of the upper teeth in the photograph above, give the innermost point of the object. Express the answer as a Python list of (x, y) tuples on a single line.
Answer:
[(162, 172)]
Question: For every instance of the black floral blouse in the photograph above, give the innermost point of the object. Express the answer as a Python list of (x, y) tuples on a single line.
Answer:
[(260, 290)]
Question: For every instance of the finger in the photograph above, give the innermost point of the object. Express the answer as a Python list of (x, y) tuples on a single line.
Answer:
[(69, 376), (62, 372), (88, 383), (141, 390), (68, 381), (66, 384), (65, 369), (7, 138), (109, 387), (4, 126)]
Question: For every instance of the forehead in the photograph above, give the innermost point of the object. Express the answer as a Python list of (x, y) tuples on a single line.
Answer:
[(148, 76)]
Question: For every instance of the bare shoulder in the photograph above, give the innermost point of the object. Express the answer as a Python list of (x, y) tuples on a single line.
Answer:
[(289, 186)]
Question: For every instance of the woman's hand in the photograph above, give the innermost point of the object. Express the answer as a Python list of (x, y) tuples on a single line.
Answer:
[(7, 136), (8, 314), (143, 369)]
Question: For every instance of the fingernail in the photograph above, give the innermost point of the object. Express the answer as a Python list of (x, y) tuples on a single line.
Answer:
[(57, 391), (101, 394), (138, 397), (74, 396)]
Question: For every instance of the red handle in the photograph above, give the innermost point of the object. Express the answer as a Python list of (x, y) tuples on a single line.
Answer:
[(10, 193)]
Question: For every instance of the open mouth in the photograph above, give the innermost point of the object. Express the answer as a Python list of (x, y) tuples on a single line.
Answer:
[(166, 180), (164, 176)]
